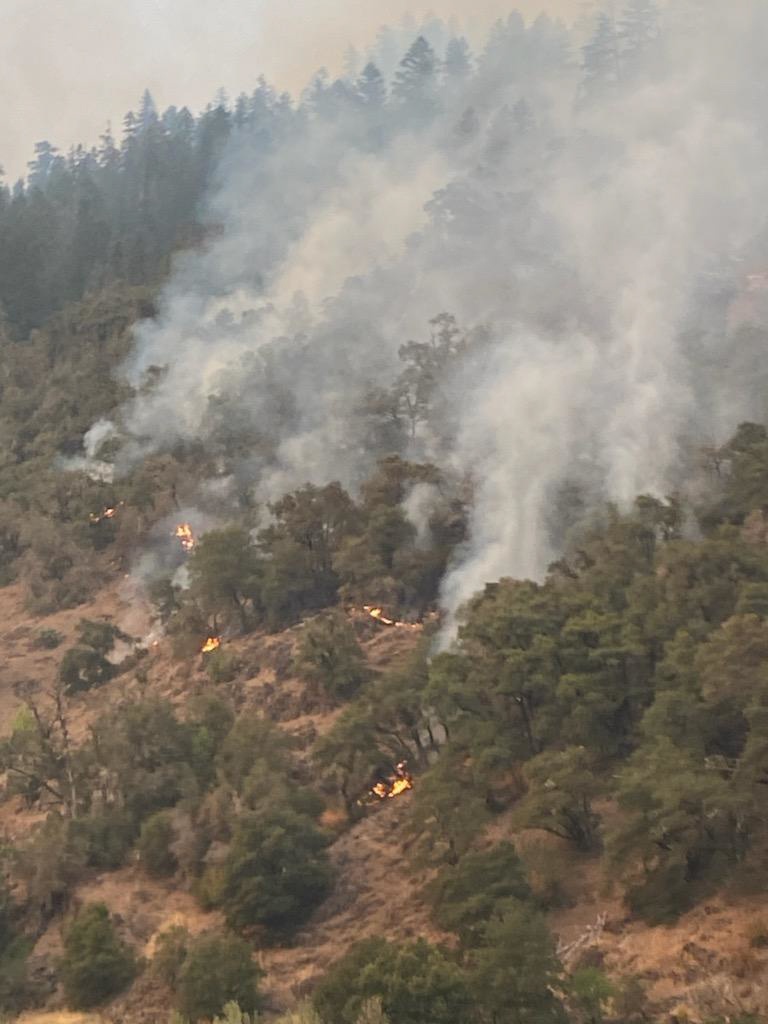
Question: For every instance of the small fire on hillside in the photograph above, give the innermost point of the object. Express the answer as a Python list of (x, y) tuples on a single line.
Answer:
[(186, 538), (109, 512), (399, 781), (378, 614), (211, 644)]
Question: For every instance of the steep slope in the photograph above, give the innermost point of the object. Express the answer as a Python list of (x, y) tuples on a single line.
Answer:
[(706, 963)]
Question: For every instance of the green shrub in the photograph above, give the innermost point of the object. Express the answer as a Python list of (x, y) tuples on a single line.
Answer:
[(464, 897), (15, 989), (276, 873), (222, 666), (82, 668), (17, 992), (414, 981), (170, 953), (47, 639), (330, 656), (157, 835), (590, 992), (96, 964), (515, 973), (105, 838), (217, 969), (85, 665)]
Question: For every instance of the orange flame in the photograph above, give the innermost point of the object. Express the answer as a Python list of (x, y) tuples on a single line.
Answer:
[(184, 532), (378, 614), (211, 644), (107, 513), (400, 781)]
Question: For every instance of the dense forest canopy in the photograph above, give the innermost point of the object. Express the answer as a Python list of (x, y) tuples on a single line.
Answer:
[(474, 341)]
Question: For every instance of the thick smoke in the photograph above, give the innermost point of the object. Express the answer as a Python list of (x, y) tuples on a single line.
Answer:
[(599, 229)]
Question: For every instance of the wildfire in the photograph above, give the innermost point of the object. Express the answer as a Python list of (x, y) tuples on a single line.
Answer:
[(211, 644), (109, 512), (400, 781), (184, 532), (378, 614)]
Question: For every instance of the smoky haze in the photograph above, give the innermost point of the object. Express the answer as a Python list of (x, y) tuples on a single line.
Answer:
[(597, 222), (66, 69)]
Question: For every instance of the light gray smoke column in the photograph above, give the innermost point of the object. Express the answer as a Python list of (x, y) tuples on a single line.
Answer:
[(589, 230)]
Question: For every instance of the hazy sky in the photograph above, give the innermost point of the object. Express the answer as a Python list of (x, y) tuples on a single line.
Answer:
[(69, 66)]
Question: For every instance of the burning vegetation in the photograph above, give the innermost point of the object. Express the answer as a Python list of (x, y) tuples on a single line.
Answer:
[(398, 781), (109, 512), (186, 538), (378, 614), (212, 643)]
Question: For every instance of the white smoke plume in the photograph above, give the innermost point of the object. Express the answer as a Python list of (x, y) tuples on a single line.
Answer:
[(602, 235)]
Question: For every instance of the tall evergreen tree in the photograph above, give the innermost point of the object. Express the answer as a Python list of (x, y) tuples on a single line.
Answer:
[(638, 34), (600, 65), (414, 86), (458, 60), (371, 87)]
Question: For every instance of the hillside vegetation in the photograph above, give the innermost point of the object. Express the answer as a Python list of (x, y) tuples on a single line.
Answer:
[(249, 772)]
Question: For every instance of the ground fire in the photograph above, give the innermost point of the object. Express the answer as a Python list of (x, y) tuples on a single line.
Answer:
[(106, 513), (211, 644), (186, 538), (378, 614), (398, 781)]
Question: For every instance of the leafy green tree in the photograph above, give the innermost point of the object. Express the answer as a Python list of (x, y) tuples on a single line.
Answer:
[(414, 981), (155, 845), (447, 813), (309, 527), (50, 861), (561, 788), (468, 895), (40, 757), (733, 664), (225, 572), (170, 953), (680, 825), (348, 755), (218, 969), (276, 871), (146, 757), (15, 987), (330, 656), (515, 972), (86, 665), (96, 964), (510, 639), (251, 741), (591, 992)]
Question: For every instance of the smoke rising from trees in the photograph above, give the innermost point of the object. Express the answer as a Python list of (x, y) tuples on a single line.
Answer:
[(589, 215)]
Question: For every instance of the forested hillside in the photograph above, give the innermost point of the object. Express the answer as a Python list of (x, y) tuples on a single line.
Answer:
[(384, 543)]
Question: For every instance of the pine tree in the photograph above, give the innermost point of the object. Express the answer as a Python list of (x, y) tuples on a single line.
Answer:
[(41, 166), (638, 34), (371, 87), (601, 58), (414, 86), (351, 63), (458, 60)]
